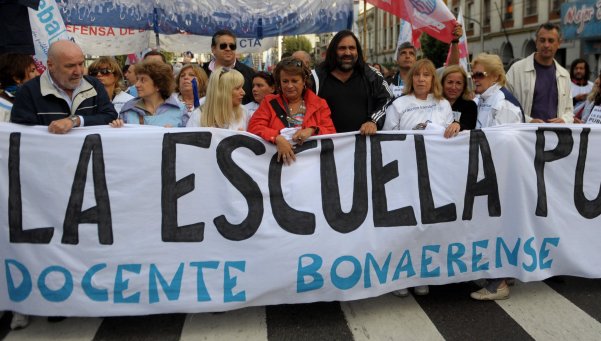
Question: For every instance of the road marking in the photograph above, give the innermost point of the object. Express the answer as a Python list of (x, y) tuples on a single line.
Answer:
[(71, 329), (389, 318), (547, 315), (242, 324)]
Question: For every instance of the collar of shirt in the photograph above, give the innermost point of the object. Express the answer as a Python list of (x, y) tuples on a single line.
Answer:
[(63, 93), (212, 65)]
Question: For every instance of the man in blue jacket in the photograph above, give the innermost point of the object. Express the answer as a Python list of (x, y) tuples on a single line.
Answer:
[(62, 97)]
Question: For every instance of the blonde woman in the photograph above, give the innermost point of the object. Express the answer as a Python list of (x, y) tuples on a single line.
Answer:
[(108, 72), (223, 104), (422, 104)]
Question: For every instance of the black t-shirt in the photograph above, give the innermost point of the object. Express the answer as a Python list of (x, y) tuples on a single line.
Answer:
[(469, 113), (347, 101)]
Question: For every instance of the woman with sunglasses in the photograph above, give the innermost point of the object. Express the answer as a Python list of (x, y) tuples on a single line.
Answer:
[(108, 72), (592, 107), (496, 105), (156, 103), (189, 94), (263, 85), (454, 89), (223, 104), (294, 114)]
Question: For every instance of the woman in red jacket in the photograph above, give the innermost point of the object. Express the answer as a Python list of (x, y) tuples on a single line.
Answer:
[(294, 114)]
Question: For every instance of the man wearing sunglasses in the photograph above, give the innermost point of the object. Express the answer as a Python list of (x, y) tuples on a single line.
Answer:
[(62, 97), (540, 84), (223, 48)]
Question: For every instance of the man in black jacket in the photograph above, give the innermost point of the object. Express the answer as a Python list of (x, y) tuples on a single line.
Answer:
[(223, 47), (62, 97), (356, 93)]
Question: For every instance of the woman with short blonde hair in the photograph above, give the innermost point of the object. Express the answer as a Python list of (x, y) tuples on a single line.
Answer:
[(422, 103), (493, 65)]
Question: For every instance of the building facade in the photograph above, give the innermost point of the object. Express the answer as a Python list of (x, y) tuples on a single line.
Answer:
[(503, 27)]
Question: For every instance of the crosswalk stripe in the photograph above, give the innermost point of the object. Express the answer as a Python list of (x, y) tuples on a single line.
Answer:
[(547, 315), (246, 324), (77, 329), (389, 318)]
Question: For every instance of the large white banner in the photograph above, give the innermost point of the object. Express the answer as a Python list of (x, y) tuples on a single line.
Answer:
[(111, 41), (144, 220)]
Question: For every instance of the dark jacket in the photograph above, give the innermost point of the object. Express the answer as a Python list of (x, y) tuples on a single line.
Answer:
[(377, 88), (39, 103), (248, 74)]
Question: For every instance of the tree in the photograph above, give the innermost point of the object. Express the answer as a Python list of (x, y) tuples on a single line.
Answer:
[(434, 49), (296, 43)]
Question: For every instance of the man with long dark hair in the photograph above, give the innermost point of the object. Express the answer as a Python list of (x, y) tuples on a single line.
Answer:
[(581, 85), (356, 93)]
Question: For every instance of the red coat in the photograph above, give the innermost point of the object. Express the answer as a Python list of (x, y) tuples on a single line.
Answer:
[(265, 122)]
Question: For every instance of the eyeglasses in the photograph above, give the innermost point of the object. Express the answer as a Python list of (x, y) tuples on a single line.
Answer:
[(223, 46), (224, 70), (104, 72), (479, 75)]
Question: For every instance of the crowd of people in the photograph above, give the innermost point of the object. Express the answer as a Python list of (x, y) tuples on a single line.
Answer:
[(343, 94)]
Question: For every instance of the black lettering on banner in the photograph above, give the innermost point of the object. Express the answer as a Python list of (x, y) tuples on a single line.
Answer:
[(41, 235), (429, 213), (99, 214), (291, 220), (565, 142), (589, 209), (244, 183), (330, 191), (380, 175), (172, 189), (488, 185)]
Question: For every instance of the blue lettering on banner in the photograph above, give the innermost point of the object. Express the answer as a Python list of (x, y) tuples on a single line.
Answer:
[(533, 259), (20, 285)]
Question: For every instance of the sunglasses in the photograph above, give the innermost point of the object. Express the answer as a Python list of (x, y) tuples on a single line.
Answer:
[(223, 46), (479, 75), (293, 62), (104, 72)]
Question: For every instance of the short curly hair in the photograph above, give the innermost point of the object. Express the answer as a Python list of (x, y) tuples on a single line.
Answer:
[(161, 76), (294, 67)]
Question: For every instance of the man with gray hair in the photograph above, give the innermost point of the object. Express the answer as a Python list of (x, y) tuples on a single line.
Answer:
[(62, 97)]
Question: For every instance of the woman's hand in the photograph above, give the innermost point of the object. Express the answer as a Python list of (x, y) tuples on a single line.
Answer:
[(301, 135), (118, 123), (285, 151), (452, 130)]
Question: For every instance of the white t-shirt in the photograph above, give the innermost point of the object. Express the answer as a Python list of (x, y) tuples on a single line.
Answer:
[(242, 124), (579, 90), (122, 98), (406, 112)]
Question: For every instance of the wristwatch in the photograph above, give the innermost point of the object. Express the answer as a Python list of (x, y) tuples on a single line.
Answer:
[(73, 119)]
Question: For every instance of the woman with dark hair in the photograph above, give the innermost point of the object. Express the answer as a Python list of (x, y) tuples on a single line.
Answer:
[(107, 70), (156, 103), (454, 89), (15, 69), (294, 114), (263, 84)]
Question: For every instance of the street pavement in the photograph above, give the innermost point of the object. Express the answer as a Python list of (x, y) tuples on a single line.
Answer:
[(562, 308)]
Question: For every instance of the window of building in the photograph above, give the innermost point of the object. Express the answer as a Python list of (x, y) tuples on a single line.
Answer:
[(555, 8), (531, 7), (469, 13), (509, 9), (486, 19)]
